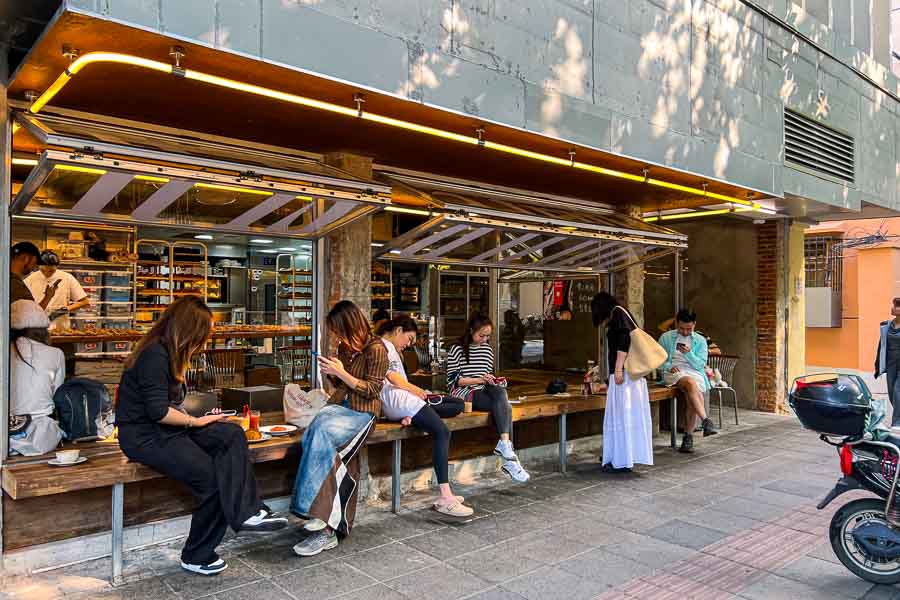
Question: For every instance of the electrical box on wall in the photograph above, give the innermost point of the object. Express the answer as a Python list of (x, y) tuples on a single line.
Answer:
[(823, 307)]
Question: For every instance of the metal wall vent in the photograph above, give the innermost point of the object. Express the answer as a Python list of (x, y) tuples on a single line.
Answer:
[(814, 147)]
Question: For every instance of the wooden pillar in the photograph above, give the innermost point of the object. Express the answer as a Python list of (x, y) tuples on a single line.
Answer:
[(629, 283)]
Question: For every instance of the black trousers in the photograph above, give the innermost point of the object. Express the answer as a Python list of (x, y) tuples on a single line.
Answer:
[(429, 420), (214, 462), (492, 399)]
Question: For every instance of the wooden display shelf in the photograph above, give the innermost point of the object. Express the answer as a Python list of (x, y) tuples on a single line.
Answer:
[(217, 335)]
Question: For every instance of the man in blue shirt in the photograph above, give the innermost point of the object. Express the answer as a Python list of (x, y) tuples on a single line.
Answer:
[(685, 370)]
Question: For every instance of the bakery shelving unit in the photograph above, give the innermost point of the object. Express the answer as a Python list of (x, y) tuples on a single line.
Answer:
[(293, 308), (382, 286), (460, 295), (109, 287), (165, 271)]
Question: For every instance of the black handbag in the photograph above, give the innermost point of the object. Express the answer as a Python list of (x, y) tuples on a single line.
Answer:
[(446, 407), (557, 386)]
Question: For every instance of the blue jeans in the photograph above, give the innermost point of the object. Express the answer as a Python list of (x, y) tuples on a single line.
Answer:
[(329, 466)]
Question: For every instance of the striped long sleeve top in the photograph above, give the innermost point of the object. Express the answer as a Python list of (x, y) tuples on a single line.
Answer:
[(481, 361)]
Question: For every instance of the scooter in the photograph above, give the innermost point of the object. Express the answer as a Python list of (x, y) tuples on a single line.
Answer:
[(865, 533)]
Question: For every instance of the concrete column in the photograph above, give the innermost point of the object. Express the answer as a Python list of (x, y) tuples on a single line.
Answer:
[(796, 304), (347, 271), (629, 283)]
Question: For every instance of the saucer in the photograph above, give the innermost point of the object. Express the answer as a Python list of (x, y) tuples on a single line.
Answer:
[(56, 463)]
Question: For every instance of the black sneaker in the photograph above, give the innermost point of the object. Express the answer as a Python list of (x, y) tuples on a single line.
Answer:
[(213, 568), (687, 444), (263, 522), (708, 427)]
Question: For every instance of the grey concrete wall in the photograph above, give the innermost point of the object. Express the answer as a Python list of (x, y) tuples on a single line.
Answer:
[(720, 285), (694, 84)]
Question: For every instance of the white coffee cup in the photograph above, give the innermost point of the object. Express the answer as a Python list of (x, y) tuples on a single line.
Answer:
[(67, 456)]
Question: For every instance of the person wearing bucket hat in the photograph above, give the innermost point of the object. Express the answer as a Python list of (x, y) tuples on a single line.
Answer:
[(36, 371), (68, 295)]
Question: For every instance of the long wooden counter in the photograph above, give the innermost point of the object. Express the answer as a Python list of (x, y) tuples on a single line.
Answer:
[(133, 336)]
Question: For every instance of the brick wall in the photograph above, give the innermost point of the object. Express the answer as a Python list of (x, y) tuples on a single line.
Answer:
[(767, 359)]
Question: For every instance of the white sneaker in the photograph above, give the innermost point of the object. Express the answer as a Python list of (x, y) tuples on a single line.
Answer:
[(314, 525), (516, 471), (505, 449)]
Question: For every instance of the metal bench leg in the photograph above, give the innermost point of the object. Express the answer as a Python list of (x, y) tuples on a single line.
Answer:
[(719, 394), (562, 443), (674, 420), (118, 530), (734, 395), (395, 478)]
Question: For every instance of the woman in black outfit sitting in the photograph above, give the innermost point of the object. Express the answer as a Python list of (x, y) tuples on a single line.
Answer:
[(207, 455)]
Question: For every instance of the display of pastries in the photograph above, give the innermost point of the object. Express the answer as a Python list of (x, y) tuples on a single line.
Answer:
[(252, 435)]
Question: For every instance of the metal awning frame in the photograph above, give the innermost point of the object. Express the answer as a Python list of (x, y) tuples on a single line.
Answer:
[(348, 205)]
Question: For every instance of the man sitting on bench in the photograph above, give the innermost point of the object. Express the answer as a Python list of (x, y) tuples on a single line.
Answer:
[(685, 370)]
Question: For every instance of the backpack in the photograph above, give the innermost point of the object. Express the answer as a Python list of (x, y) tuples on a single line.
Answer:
[(84, 409)]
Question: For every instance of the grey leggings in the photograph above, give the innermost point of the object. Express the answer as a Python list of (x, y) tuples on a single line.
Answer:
[(492, 399)]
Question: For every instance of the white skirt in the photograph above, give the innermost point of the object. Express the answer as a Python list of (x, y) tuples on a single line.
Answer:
[(627, 428)]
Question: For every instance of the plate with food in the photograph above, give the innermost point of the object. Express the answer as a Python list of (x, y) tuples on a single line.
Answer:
[(255, 437), (278, 430)]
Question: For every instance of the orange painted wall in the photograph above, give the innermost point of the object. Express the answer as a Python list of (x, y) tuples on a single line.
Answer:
[(871, 279)]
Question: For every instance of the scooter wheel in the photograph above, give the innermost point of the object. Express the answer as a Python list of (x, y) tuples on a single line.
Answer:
[(860, 563)]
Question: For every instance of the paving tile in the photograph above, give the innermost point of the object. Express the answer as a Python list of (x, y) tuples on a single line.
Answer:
[(440, 582), (773, 587), (387, 562), (147, 589), (379, 591), (682, 533), (882, 592), (324, 581), (603, 567), (496, 594), (549, 546), (281, 559), (403, 526), (754, 509), (446, 543), (263, 590), (592, 532), (651, 552), (550, 583), (497, 501), (825, 552), (496, 564), (363, 538), (712, 518), (798, 488), (630, 518), (773, 497), (825, 575), (190, 585)]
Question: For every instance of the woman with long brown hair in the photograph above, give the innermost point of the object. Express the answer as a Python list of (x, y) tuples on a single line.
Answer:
[(204, 453), (326, 488)]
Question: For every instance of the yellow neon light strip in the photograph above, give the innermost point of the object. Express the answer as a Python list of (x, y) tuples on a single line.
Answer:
[(152, 178), (701, 213), (408, 211), (79, 169), (113, 57), (28, 162), (228, 188)]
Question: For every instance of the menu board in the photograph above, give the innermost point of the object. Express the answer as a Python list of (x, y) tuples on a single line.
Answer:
[(581, 293)]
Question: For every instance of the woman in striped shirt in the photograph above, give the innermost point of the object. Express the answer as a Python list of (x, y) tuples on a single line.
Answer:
[(470, 376)]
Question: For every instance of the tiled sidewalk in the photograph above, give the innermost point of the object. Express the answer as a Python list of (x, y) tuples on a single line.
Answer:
[(737, 520)]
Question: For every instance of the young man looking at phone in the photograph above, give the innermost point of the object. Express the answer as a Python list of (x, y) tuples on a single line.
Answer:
[(685, 370), (65, 293)]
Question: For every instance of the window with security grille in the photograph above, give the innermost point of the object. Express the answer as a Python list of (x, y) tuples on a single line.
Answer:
[(823, 261)]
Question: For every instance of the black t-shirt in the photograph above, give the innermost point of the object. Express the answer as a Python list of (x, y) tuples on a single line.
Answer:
[(618, 335), (146, 392)]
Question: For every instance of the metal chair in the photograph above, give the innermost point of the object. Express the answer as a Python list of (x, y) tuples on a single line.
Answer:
[(295, 363), (725, 363)]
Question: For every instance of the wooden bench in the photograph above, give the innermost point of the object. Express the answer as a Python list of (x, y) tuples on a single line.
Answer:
[(107, 466)]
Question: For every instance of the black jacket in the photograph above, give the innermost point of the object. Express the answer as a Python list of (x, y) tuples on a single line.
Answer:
[(148, 389)]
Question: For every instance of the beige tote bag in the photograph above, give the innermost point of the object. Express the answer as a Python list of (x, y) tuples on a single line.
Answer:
[(645, 354)]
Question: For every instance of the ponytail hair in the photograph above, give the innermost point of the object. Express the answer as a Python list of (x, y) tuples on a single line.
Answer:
[(475, 323), (404, 322)]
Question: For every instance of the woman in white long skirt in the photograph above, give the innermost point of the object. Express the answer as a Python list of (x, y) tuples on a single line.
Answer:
[(627, 429)]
